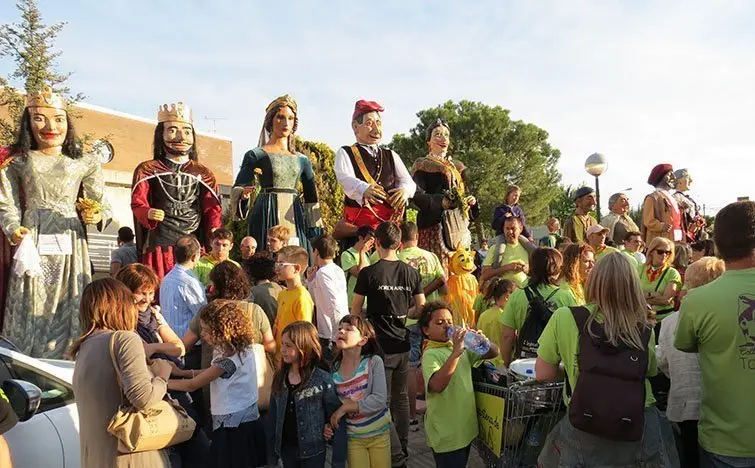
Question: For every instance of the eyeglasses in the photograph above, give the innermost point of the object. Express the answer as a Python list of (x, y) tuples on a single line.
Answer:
[(663, 252), (279, 265)]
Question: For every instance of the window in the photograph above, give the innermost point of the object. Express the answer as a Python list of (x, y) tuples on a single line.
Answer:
[(103, 150), (55, 393)]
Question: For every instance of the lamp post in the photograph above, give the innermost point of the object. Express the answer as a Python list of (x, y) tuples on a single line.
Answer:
[(595, 165)]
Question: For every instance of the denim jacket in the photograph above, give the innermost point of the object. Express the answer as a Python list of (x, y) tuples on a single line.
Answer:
[(316, 400)]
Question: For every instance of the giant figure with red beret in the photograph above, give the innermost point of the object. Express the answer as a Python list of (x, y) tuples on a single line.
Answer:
[(661, 214), (375, 180)]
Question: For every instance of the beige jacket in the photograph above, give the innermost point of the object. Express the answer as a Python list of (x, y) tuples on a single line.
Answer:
[(98, 396), (656, 210)]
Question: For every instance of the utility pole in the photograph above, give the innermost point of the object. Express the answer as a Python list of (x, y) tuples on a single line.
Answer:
[(214, 122)]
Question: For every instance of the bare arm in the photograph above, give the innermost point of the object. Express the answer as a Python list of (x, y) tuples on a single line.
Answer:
[(171, 345), (438, 284), (5, 459), (415, 311), (114, 267), (356, 305), (190, 339), (546, 372), (268, 341), (200, 380), (507, 344), (665, 298)]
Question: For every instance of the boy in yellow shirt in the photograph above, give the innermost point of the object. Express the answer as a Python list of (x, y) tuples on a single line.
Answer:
[(294, 302)]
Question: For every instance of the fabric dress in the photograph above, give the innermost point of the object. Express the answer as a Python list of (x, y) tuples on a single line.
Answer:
[(42, 313), (187, 193), (433, 176), (279, 201)]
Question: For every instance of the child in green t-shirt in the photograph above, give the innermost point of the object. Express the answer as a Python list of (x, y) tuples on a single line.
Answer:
[(489, 323), (451, 418)]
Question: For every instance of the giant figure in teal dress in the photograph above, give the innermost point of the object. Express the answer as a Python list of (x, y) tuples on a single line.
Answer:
[(275, 170)]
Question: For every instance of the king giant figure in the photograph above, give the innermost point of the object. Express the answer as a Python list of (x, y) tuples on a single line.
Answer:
[(173, 194)]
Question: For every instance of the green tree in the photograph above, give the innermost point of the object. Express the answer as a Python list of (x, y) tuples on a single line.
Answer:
[(497, 151), (563, 206), (329, 191), (30, 45)]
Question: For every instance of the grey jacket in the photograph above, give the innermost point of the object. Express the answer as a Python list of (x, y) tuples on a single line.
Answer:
[(684, 371)]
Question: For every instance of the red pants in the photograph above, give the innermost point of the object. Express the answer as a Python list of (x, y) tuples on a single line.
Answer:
[(362, 216)]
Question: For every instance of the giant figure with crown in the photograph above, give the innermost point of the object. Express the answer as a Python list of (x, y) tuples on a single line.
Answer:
[(49, 191), (173, 194)]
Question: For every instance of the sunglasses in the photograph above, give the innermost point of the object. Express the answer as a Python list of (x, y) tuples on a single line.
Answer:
[(663, 252), (280, 265)]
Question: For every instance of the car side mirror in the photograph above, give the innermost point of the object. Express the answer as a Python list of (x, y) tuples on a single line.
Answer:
[(23, 396)]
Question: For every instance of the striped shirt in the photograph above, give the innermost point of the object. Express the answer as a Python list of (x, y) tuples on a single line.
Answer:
[(359, 387), (181, 297)]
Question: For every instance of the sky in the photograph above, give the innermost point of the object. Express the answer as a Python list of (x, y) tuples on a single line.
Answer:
[(640, 82)]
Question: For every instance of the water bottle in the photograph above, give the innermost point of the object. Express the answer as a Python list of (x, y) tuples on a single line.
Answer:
[(474, 342)]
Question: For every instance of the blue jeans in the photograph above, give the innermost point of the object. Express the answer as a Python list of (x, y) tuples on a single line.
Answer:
[(456, 459), (290, 459), (711, 460), (340, 446)]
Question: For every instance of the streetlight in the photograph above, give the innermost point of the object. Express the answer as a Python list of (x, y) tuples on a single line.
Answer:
[(595, 165)]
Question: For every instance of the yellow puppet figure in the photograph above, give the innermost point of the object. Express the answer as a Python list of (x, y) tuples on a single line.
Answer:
[(462, 286)]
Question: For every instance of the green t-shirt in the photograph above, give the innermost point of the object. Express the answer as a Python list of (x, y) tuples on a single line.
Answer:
[(607, 250), (349, 259), (511, 253), (578, 293), (490, 324), (516, 309), (205, 265), (560, 343), (451, 416), (631, 258), (480, 305), (428, 265), (718, 320), (659, 285)]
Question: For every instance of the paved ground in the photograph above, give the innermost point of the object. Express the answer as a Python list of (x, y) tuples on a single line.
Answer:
[(420, 455)]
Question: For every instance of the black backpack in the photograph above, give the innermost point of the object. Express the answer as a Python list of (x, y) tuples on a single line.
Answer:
[(538, 314), (609, 397)]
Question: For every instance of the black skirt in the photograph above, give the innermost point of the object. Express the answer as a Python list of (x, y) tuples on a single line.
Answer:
[(239, 447)]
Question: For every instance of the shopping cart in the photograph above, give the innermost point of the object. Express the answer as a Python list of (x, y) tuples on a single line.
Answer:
[(516, 421)]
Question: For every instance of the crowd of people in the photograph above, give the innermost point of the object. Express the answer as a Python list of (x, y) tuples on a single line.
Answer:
[(315, 340)]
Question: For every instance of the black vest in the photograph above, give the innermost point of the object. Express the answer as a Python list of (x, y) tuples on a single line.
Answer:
[(382, 169)]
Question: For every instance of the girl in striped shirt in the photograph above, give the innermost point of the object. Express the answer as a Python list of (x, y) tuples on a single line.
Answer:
[(359, 377)]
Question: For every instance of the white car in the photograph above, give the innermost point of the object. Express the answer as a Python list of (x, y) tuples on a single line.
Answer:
[(47, 435)]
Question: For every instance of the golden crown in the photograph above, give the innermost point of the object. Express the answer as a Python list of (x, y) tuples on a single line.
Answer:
[(47, 98), (178, 112)]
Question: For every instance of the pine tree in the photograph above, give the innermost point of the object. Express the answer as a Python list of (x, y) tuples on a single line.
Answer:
[(30, 45)]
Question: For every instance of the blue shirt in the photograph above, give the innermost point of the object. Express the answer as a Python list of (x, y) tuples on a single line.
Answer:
[(181, 297)]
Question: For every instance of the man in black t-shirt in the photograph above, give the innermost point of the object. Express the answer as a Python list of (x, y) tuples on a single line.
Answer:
[(390, 286)]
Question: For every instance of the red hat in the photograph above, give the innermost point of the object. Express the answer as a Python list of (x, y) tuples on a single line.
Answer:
[(658, 172), (362, 107)]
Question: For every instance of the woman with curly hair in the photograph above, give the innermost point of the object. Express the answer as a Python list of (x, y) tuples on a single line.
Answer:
[(579, 260), (232, 377), (229, 282)]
